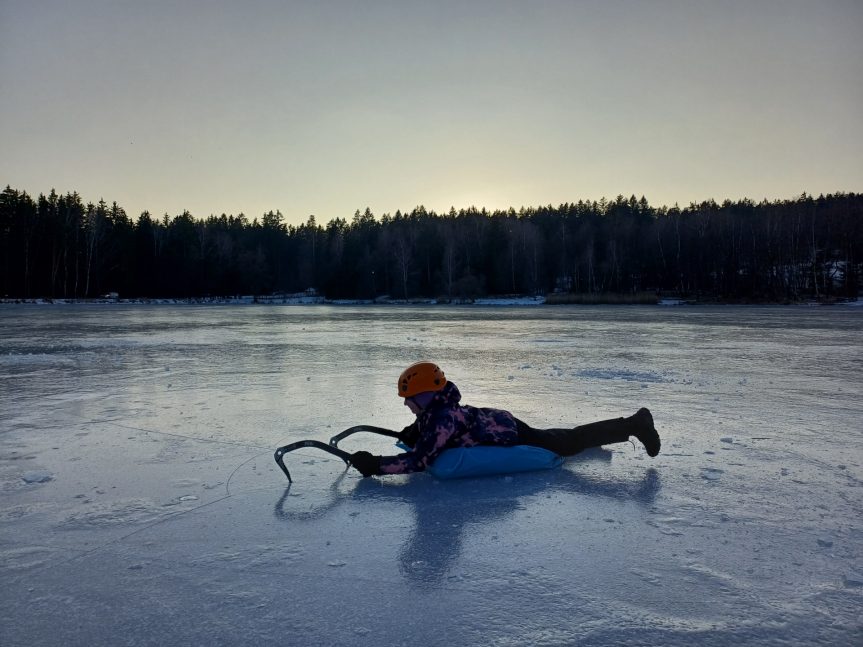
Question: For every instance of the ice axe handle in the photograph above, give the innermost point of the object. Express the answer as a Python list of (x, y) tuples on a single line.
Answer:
[(334, 441)]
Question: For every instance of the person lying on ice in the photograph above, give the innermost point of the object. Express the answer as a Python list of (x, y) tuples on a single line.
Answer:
[(443, 423)]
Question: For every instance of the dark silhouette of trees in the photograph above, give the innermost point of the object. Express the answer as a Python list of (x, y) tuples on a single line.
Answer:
[(804, 248)]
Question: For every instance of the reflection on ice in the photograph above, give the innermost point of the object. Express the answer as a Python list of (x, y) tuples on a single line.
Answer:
[(443, 511)]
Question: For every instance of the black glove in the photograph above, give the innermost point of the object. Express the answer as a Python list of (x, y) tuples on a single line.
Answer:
[(409, 435), (367, 464)]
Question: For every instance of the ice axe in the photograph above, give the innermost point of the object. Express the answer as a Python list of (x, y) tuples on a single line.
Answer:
[(331, 448)]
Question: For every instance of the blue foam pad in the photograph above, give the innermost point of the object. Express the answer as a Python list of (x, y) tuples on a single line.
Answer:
[(463, 462)]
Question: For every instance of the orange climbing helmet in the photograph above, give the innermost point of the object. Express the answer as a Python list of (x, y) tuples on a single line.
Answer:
[(420, 377)]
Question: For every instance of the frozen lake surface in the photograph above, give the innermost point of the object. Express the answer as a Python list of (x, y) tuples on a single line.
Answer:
[(141, 504)]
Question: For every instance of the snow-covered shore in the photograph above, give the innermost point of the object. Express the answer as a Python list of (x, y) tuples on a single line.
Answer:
[(318, 300)]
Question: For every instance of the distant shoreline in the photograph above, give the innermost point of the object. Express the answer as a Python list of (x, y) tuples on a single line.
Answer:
[(513, 301)]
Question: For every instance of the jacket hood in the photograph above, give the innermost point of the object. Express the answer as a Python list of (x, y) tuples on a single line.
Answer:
[(449, 395)]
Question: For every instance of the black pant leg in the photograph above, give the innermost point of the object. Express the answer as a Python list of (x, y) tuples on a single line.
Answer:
[(568, 442)]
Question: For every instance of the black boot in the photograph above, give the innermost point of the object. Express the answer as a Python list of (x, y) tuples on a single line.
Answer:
[(568, 442), (641, 425)]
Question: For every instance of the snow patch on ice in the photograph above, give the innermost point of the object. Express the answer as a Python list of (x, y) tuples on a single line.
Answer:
[(24, 557), (622, 374), (37, 476), (253, 556), (711, 473), (115, 513)]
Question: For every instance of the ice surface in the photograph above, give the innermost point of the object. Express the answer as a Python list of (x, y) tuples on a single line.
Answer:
[(164, 520)]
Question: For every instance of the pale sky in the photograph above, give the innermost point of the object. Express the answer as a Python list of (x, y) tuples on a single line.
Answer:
[(328, 107)]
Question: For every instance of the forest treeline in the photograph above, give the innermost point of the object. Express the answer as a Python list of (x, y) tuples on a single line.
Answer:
[(58, 246)]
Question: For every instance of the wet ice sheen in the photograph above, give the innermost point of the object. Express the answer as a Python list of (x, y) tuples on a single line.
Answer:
[(164, 519)]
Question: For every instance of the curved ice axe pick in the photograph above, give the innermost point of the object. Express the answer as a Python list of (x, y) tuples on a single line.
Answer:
[(281, 451)]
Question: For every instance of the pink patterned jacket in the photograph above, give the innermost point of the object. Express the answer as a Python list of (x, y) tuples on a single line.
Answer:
[(443, 424)]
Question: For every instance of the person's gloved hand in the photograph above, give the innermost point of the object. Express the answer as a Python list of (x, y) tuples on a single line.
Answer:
[(409, 435), (405, 438), (367, 464)]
